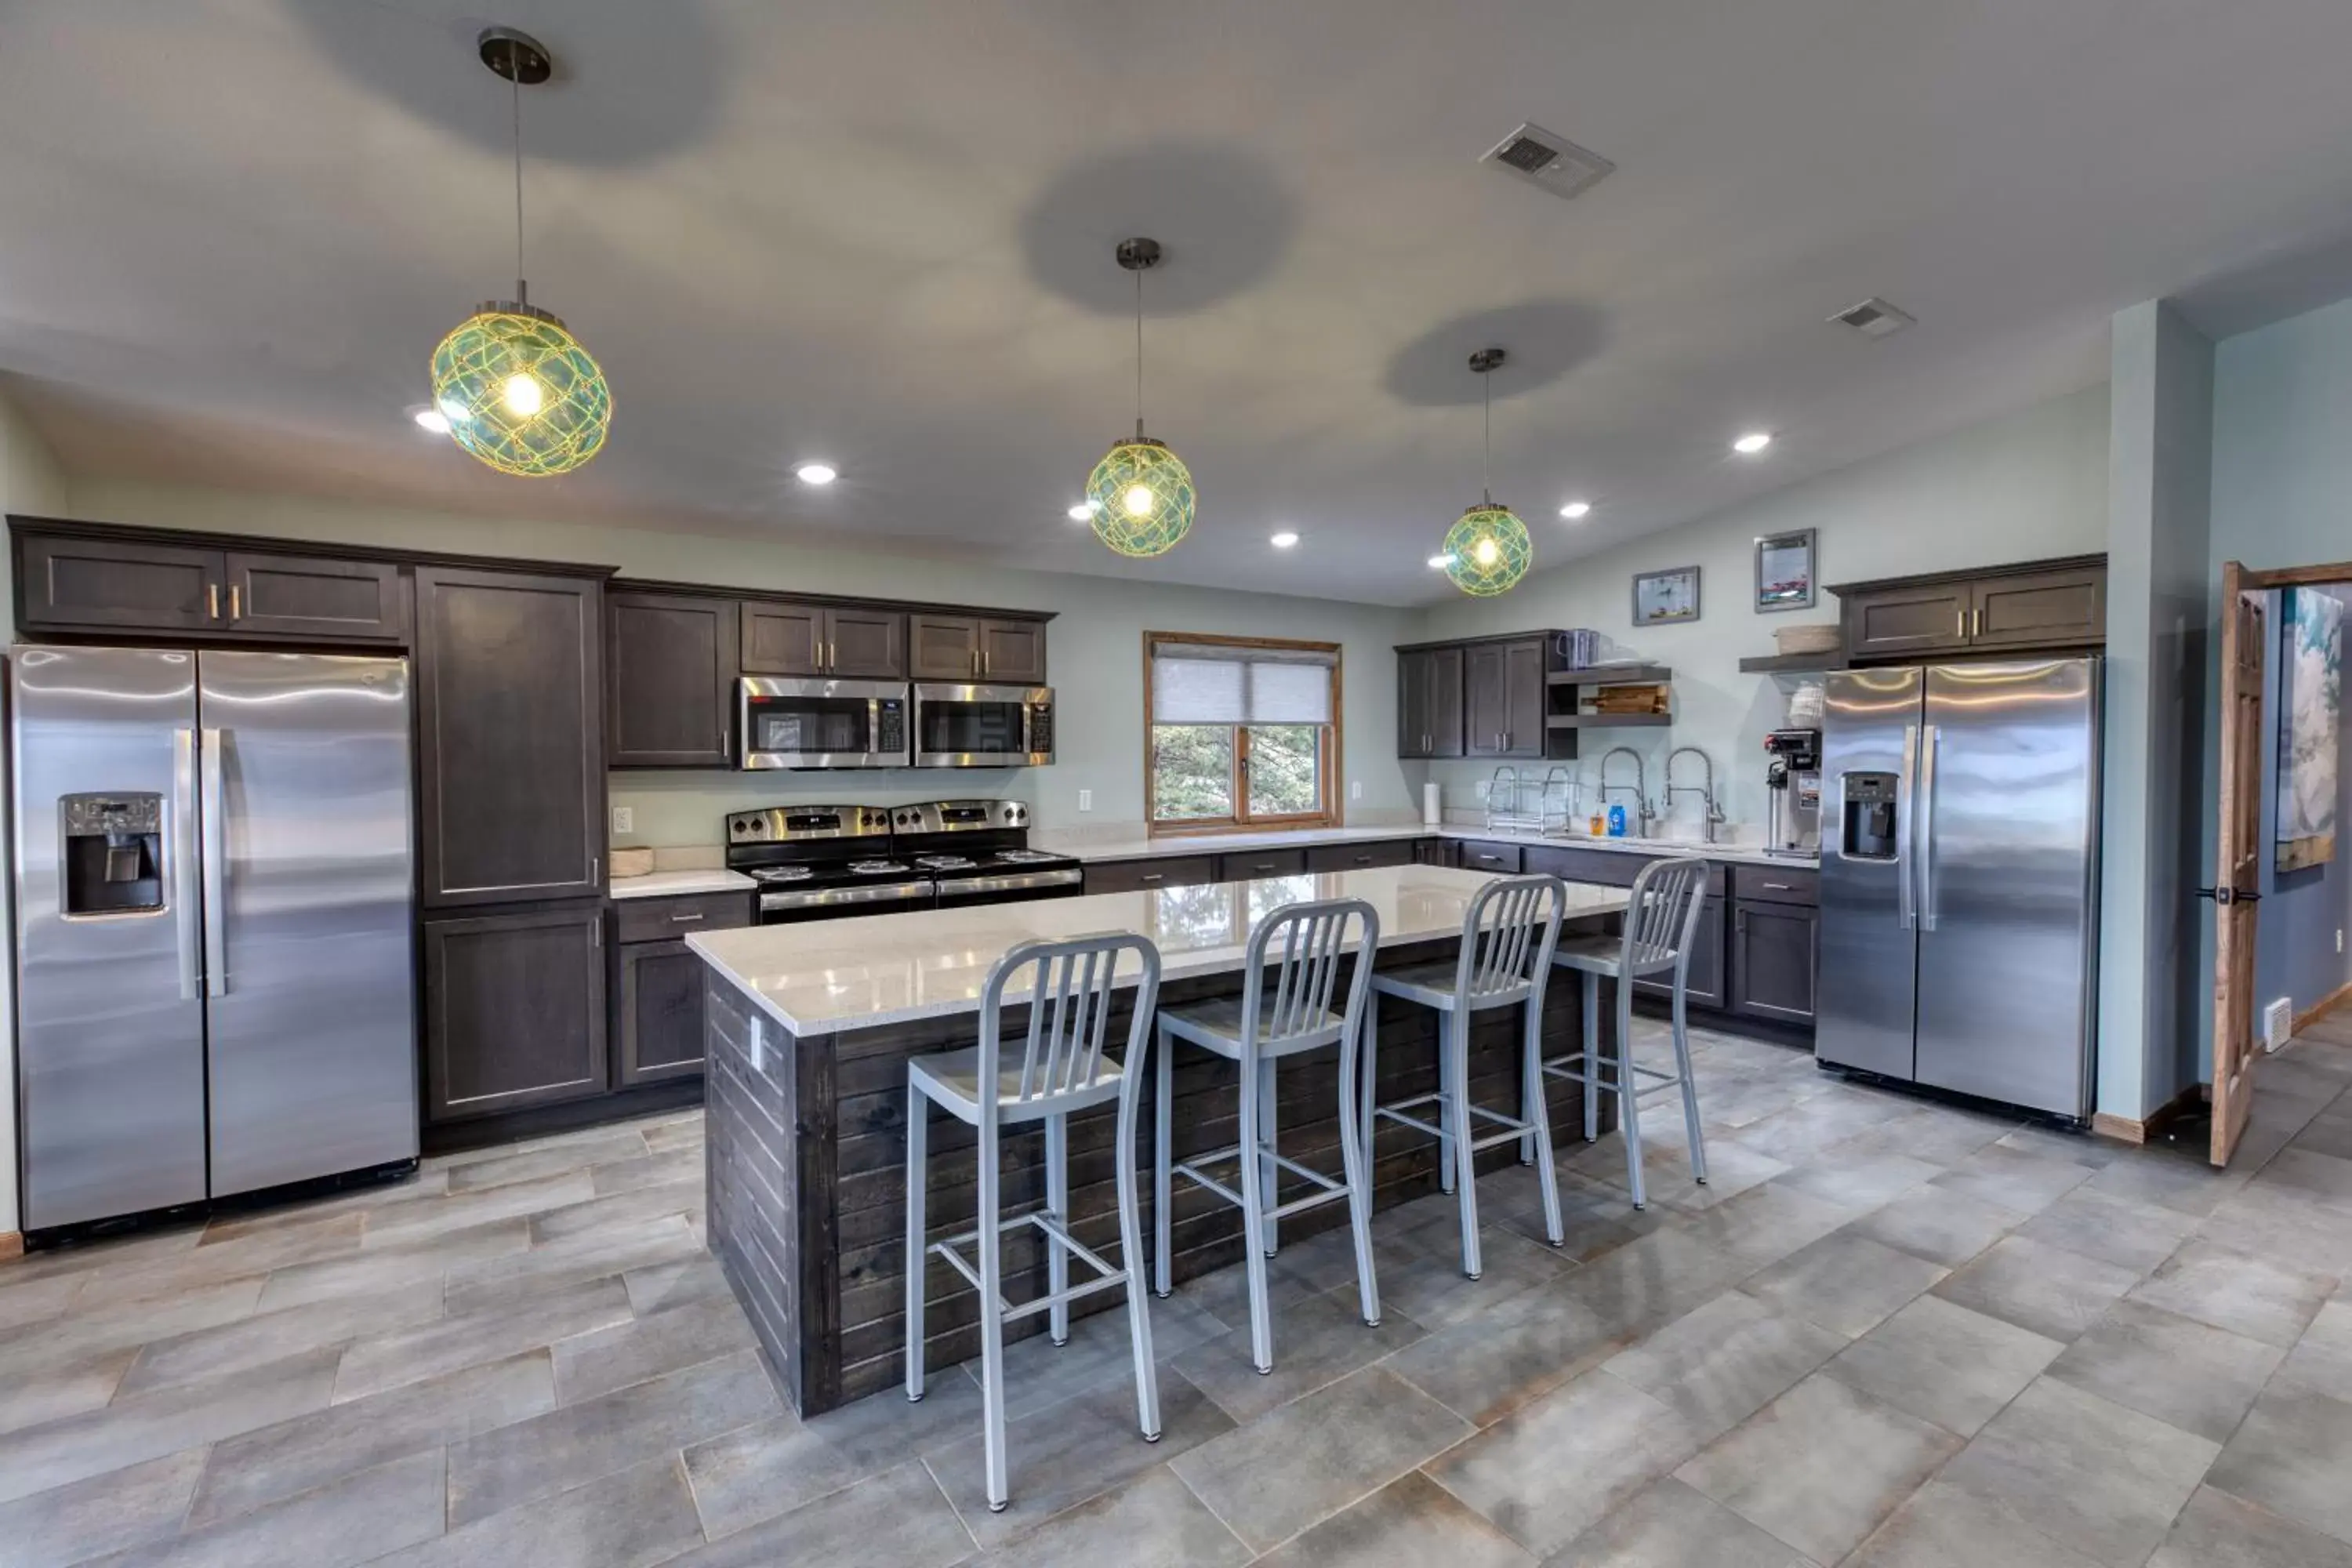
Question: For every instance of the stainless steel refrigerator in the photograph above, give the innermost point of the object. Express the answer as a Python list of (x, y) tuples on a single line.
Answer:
[(1959, 878), (215, 987)]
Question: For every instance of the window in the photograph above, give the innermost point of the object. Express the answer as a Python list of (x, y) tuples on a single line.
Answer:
[(1240, 732)]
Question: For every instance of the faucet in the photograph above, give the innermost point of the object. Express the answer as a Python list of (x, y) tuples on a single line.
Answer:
[(1706, 790), (1640, 786)]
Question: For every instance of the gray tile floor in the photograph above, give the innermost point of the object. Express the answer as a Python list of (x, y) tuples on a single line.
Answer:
[(1888, 1334)]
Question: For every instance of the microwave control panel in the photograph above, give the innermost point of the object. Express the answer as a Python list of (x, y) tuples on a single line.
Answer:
[(1041, 727), (890, 724)]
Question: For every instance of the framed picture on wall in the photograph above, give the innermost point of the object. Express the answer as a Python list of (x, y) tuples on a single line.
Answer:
[(2311, 701), (1665, 598), (1784, 571)]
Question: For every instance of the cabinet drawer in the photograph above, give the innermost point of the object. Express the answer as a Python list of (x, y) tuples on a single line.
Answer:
[(1608, 868), (1780, 884), (1359, 857), (663, 920), (1258, 863), (1147, 875), (1482, 856)]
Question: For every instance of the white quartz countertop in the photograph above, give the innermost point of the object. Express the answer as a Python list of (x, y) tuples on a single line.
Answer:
[(821, 976), (674, 884), (1306, 837)]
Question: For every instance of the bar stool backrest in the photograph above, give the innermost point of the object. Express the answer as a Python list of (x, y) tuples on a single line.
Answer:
[(1070, 995), (1662, 923), (1508, 936), (1314, 938)]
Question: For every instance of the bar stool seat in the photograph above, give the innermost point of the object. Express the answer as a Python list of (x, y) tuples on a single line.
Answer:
[(1508, 936), (951, 1079), (1661, 929), (1284, 1010)]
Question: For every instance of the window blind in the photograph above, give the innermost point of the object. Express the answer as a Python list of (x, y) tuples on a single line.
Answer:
[(1194, 684)]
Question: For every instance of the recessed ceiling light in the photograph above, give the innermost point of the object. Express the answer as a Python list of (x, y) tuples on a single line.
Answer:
[(1283, 540), (1755, 441), (1083, 512), (432, 419), (1576, 509), (817, 473), (1439, 563)]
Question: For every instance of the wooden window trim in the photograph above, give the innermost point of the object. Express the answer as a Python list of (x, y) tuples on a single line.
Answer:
[(1329, 771)]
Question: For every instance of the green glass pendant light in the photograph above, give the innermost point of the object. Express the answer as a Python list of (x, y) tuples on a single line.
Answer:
[(1139, 497), (1488, 550), (517, 389)]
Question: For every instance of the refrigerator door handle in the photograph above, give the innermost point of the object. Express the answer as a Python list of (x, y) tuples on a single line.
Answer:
[(212, 816), (1906, 913), (186, 895), (1923, 851)]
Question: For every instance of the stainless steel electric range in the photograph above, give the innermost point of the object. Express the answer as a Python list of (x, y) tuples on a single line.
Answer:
[(823, 862)]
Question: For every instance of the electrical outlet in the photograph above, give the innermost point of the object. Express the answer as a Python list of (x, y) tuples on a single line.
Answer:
[(625, 819), (1085, 800), (2339, 939), (1356, 789)]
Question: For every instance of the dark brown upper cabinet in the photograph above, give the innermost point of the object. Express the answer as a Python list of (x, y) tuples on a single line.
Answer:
[(782, 637), (1429, 702), (2054, 605), (510, 732), (670, 665), (94, 585), (943, 645), (1503, 699), (317, 597)]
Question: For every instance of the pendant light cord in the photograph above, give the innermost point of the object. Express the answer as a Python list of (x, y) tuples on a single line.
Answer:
[(514, 79), (1487, 464), (1138, 353)]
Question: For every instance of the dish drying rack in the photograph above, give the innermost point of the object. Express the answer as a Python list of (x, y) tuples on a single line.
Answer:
[(1516, 804)]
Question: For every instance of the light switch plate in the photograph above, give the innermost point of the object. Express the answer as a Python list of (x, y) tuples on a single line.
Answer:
[(1085, 800), (625, 819), (1355, 789)]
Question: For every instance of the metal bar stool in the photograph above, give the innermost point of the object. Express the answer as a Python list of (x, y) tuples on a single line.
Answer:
[(1060, 1069), (1255, 1031), (1508, 937), (1661, 929)]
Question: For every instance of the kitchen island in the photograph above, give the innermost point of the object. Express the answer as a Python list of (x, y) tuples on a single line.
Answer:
[(809, 1028)]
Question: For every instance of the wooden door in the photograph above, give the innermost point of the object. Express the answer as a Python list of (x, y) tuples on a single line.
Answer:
[(660, 1013), (943, 647), (2041, 609), (1012, 653), (2237, 873), (782, 639), (514, 1011), (111, 584), (316, 597), (1933, 618), (1523, 698), (670, 662), (510, 736), (1486, 700), (1446, 701), (867, 644)]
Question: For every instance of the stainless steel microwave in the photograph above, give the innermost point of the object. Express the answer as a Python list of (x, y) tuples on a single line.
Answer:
[(814, 724), (983, 726)]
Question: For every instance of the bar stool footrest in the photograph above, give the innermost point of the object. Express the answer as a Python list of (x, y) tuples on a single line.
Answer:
[(1106, 1274)]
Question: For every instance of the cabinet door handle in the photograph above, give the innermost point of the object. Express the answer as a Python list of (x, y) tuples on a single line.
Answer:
[(686, 919), (596, 931), (1962, 629), (1980, 623), (212, 600), (234, 612), (1157, 876), (1780, 887), (1363, 860)]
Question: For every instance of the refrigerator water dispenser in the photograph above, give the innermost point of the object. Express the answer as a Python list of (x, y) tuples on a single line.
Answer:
[(1867, 832), (113, 853)]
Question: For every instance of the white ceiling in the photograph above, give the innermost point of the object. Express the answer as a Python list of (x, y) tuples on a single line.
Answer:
[(881, 234)]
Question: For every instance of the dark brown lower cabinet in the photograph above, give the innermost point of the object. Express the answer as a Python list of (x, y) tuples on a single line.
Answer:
[(1437, 852), (1773, 960), (1705, 986), (1152, 874), (660, 1013), (1253, 864), (514, 1010)]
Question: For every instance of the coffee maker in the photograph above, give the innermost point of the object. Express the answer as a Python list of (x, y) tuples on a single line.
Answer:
[(1792, 780)]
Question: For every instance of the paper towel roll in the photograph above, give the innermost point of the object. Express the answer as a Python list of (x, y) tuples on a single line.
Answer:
[(1432, 812)]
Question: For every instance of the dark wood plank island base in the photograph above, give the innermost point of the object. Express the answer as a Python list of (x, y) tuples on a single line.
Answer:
[(806, 1159)]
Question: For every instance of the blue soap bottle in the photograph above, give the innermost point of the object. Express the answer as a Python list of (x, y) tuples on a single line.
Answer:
[(1617, 820)]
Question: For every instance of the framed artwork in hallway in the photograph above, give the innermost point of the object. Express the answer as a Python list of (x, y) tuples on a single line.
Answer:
[(2311, 693)]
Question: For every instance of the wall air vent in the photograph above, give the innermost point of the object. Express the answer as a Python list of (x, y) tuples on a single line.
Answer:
[(2278, 1022), (1874, 318), (1553, 162)]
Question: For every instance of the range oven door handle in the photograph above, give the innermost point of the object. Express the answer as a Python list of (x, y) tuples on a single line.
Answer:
[(1016, 882), (824, 897)]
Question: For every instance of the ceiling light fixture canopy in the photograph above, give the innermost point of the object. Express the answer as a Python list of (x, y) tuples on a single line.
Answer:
[(1488, 550), (1139, 497), (518, 390)]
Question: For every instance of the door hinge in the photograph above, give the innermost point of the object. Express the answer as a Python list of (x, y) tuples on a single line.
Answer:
[(2229, 896)]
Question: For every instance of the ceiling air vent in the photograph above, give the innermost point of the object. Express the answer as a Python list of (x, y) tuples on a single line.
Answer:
[(1554, 163), (1874, 318)]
